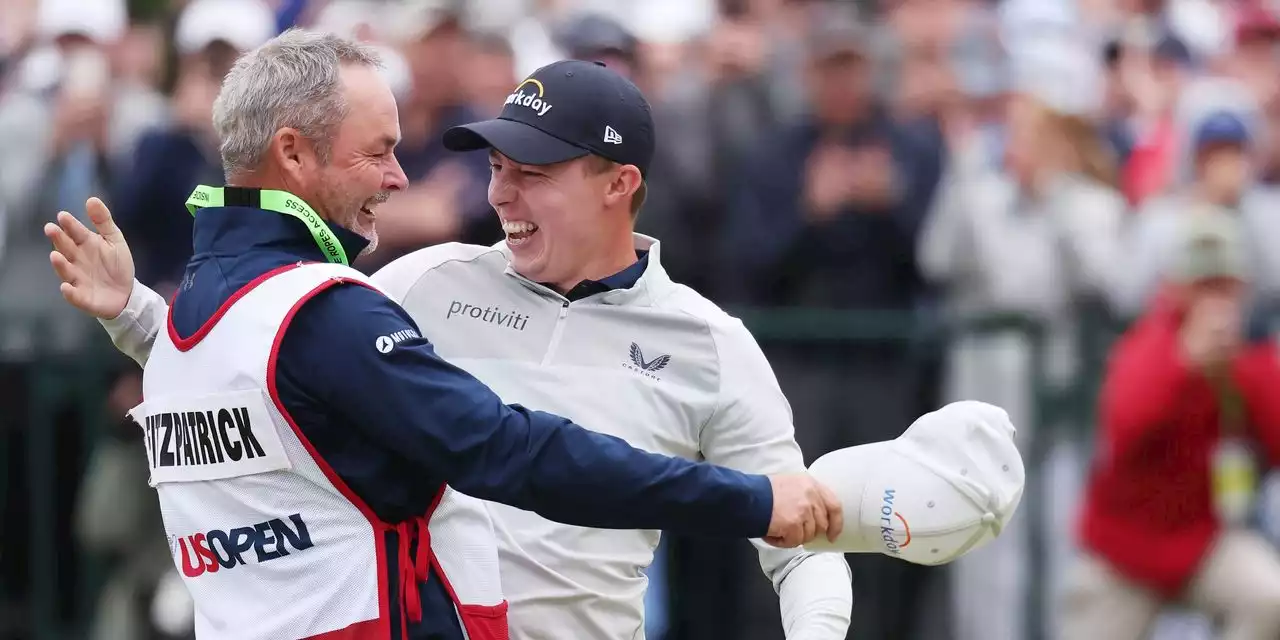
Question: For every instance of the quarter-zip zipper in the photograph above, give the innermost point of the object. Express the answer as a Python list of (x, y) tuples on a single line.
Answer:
[(558, 330), (556, 333)]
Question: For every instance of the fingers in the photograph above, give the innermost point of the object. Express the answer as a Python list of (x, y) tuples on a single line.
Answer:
[(789, 541), (820, 517), (72, 277), (102, 220), (804, 510), (68, 272), (62, 242), (74, 228), (792, 535), (835, 512), (72, 295)]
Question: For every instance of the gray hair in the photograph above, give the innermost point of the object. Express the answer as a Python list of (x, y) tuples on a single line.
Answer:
[(291, 81)]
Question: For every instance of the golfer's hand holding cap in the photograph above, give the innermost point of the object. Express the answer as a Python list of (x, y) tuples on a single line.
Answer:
[(803, 510), (946, 486)]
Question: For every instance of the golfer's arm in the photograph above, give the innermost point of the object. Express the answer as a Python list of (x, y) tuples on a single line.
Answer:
[(134, 331), (751, 430), (449, 426)]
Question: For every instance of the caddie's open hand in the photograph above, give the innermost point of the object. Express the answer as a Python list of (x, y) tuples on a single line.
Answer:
[(803, 509), (96, 268)]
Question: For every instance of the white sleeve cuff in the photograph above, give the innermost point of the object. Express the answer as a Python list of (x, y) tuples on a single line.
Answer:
[(816, 597), (134, 331)]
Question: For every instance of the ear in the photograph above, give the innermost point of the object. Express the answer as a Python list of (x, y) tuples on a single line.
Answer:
[(623, 185), (292, 152)]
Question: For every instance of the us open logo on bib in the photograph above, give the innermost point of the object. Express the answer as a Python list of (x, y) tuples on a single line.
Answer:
[(210, 437)]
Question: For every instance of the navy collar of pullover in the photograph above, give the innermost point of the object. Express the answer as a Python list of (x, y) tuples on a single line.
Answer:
[(624, 279), (233, 230)]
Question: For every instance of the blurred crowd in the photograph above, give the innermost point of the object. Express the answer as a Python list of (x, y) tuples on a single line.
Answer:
[(1063, 161)]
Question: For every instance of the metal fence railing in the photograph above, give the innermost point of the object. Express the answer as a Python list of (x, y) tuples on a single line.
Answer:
[(82, 378)]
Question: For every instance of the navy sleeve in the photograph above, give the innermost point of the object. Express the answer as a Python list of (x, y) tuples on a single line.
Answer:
[(373, 369)]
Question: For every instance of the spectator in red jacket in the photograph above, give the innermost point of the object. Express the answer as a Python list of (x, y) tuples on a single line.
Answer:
[(1189, 414)]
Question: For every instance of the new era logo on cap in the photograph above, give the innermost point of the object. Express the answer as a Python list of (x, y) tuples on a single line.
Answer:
[(566, 110)]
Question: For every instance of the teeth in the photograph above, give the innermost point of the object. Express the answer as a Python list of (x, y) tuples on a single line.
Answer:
[(518, 226)]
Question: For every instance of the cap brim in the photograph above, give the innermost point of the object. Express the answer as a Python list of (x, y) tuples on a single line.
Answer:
[(515, 140), (895, 506)]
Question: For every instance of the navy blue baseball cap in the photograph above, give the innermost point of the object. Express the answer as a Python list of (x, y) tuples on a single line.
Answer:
[(566, 110)]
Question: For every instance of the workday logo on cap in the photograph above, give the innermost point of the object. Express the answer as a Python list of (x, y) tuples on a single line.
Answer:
[(534, 100), (895, 537)]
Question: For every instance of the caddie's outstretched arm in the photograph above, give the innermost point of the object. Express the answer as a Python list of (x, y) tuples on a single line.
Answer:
[(453, 428)]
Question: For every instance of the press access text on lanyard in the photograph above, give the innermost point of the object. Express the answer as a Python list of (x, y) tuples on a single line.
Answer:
[(272, 200)]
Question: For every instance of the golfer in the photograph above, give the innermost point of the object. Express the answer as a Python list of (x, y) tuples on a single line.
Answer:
[(319, 465)]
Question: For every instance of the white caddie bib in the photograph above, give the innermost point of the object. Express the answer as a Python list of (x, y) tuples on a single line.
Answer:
[(269, 541)]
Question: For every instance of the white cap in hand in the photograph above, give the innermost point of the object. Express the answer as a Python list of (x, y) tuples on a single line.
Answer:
[(946, 486)]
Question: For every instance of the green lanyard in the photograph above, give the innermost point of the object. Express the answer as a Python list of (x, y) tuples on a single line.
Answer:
[(280, 202)]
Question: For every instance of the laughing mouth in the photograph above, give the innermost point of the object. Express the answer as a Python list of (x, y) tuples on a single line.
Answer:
[(518, 231), (368, 208)]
